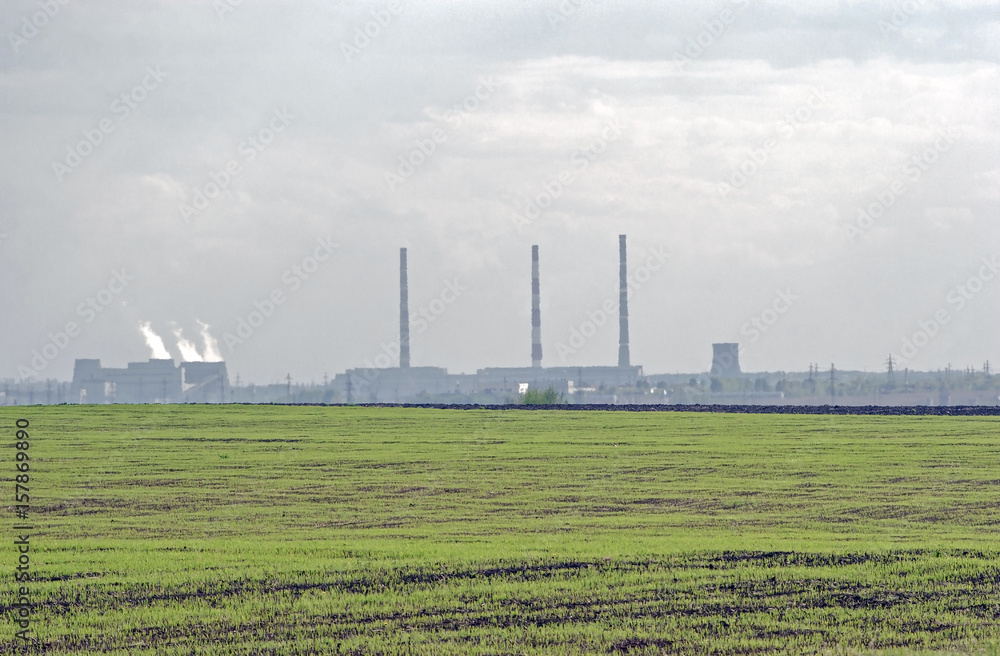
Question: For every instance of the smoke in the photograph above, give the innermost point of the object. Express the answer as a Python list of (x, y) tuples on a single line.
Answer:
[(189, 352), (212, 353), (153, 341)]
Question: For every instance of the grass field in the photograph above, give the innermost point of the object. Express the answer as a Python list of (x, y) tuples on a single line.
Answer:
[(311, 530)]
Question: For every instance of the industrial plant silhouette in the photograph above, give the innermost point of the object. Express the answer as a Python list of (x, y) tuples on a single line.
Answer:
[(162, 381)]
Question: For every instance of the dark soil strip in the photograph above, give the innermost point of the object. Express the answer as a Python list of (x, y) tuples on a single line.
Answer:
[(951, 410)]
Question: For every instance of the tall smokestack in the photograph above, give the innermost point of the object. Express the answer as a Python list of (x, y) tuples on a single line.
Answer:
[(536, 312), (404, 314), (623, 359)]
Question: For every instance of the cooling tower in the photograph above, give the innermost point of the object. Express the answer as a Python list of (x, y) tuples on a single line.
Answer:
[(726, 360)]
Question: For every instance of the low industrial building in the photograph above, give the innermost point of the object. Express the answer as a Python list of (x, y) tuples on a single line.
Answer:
[(155, 381), (399, 384)]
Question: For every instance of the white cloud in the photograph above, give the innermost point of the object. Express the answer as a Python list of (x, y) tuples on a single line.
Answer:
[(683, 132)]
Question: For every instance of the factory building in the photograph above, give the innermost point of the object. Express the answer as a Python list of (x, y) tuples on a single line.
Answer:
[(406, 383), (409, 384), (155, 381), (205, 382), (497, 378)]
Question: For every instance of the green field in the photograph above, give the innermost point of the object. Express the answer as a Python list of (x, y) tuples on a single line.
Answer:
[(312, 530)]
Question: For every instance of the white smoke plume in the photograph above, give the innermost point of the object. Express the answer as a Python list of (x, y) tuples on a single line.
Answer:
[(153, 341), (189, 352), (212, 353)]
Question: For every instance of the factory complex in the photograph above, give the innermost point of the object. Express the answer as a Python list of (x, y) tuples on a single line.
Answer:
[(160, 380)]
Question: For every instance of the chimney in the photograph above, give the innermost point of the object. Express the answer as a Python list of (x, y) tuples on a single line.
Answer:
[(404, 314), (623, 359), (536, 312)]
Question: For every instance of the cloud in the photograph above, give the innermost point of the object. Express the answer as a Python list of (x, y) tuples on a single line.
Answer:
[(685, 130)]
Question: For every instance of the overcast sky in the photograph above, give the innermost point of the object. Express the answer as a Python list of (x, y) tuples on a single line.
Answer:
[(735, 143)]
